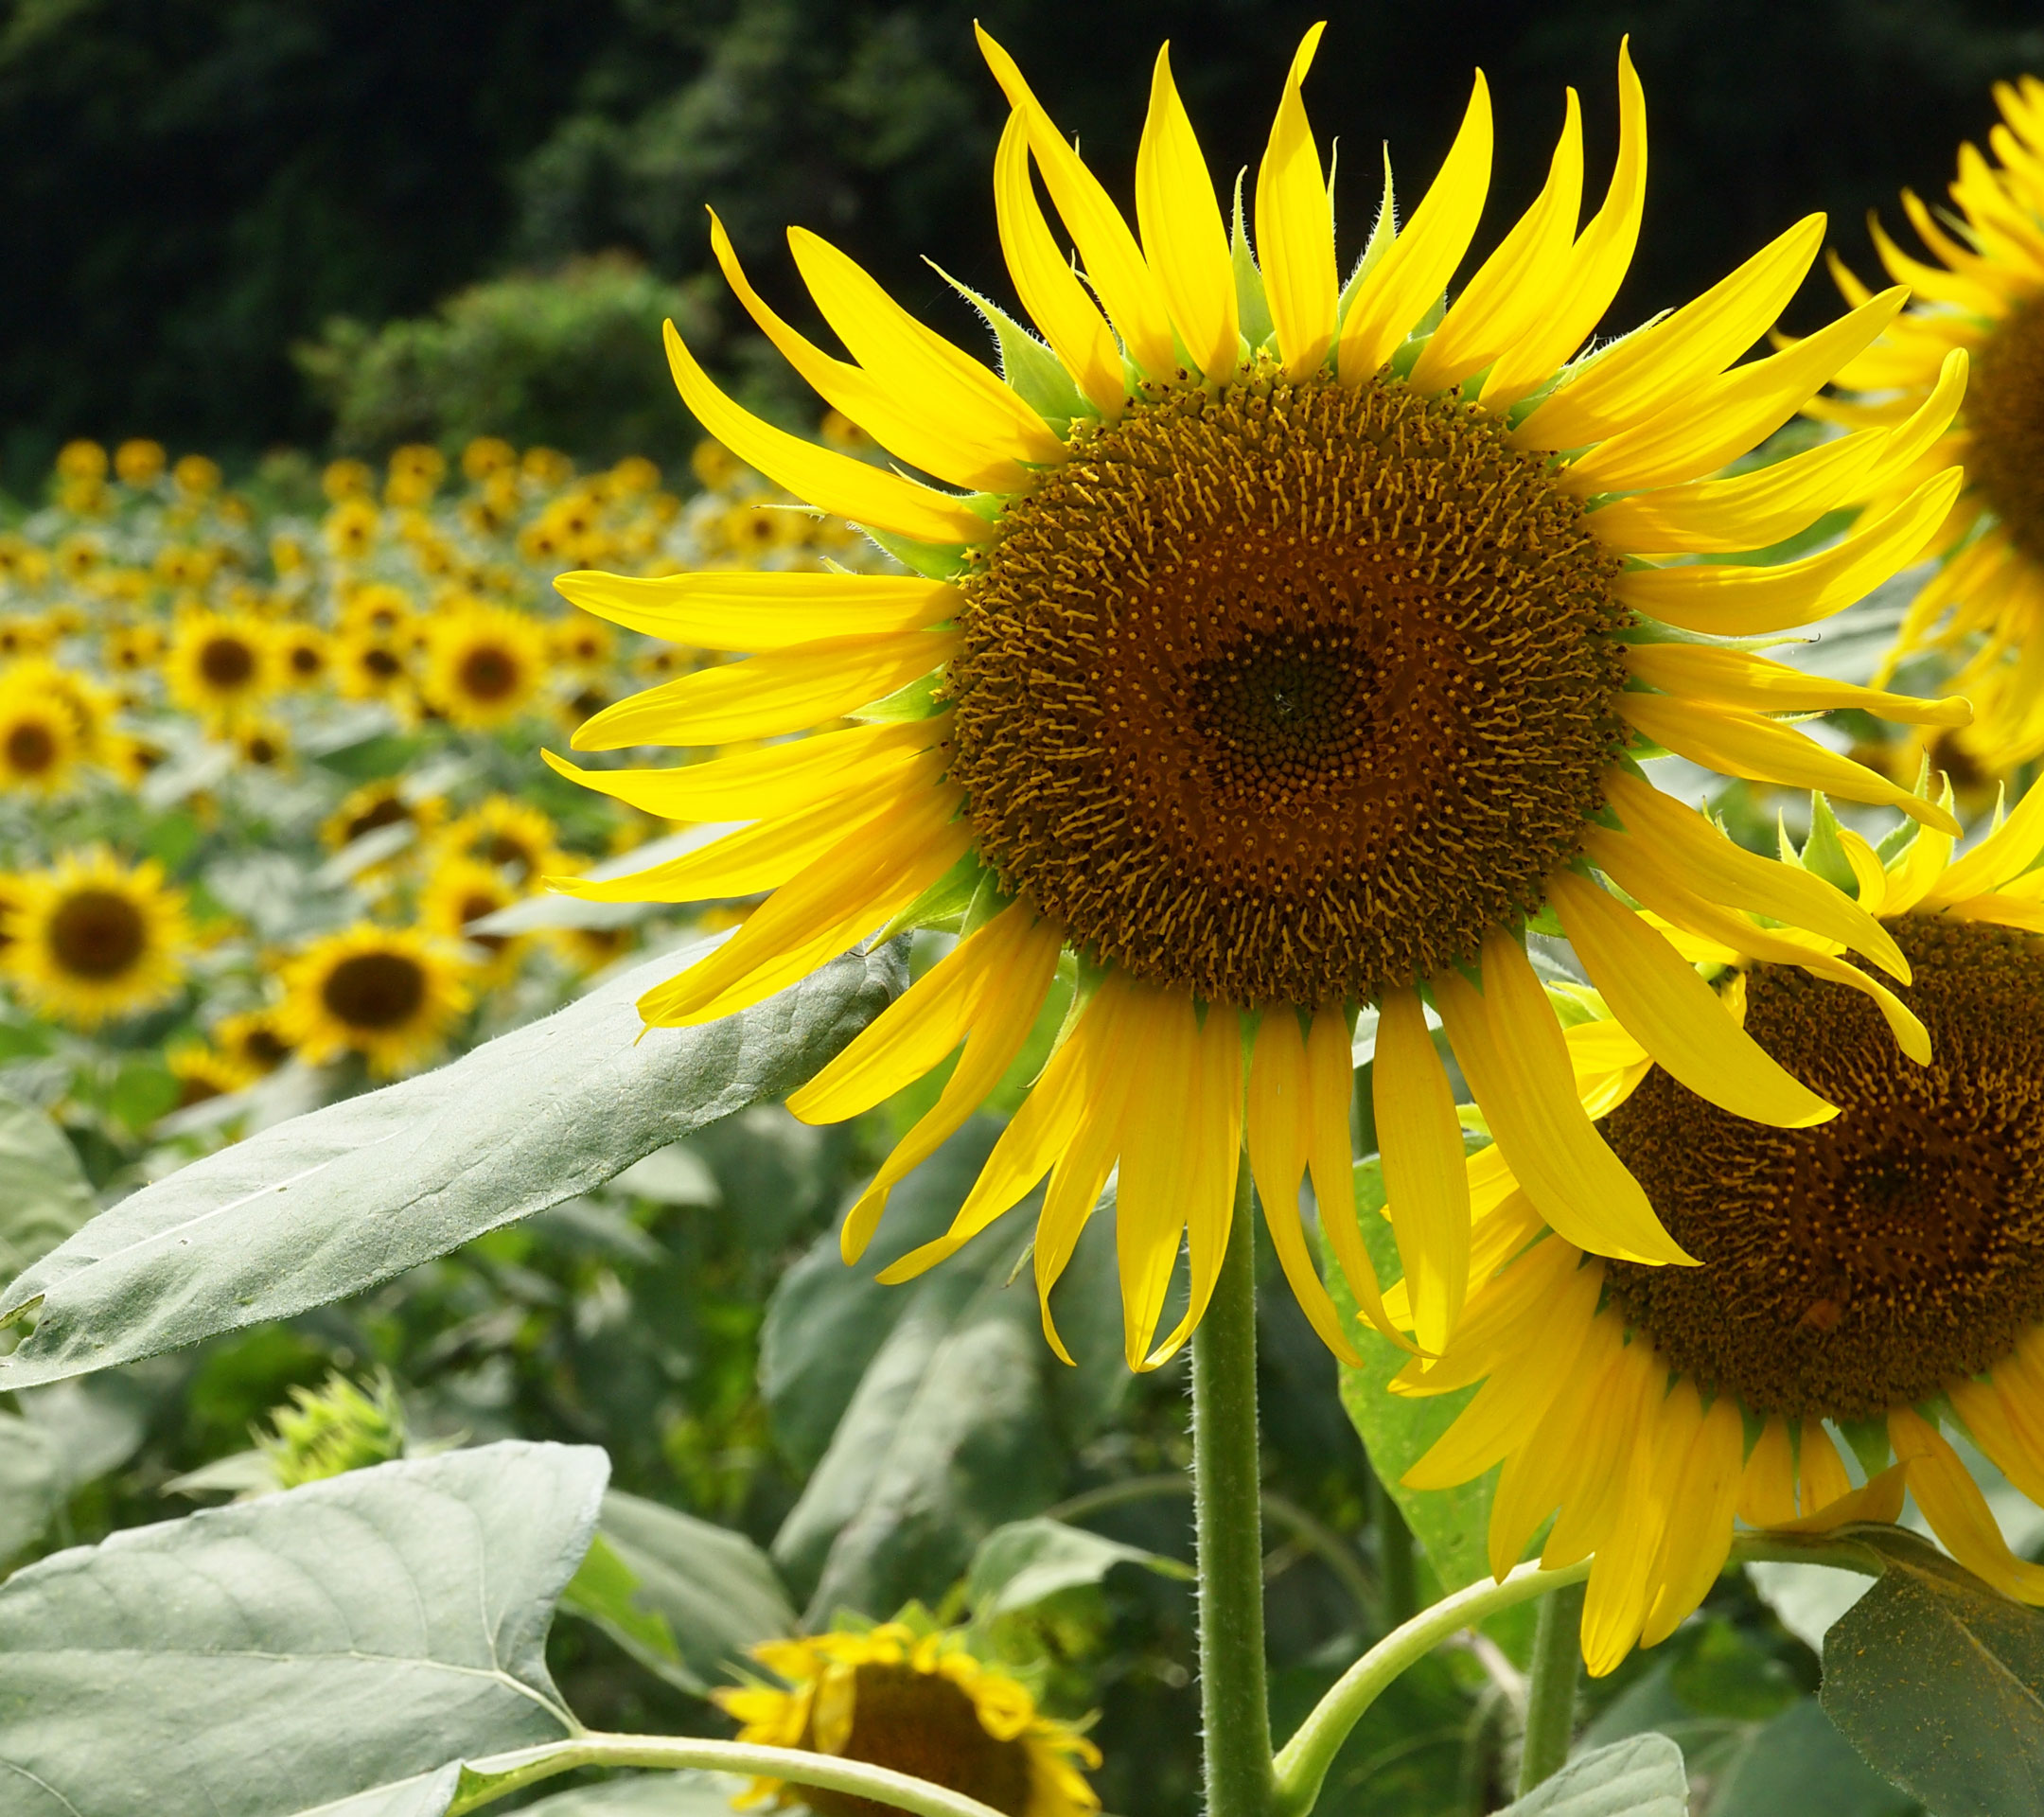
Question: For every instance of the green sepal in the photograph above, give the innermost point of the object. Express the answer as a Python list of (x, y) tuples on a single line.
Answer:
[(932, 560), (944, 904), (920, 699), (988, 900), (1383, 231), (1028, 368), (1547, 921), (1824, 853), (1869, 1443), (1252, 301)]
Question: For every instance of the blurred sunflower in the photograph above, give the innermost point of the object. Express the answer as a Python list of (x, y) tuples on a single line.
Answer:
[(485, 664), (132, 649), (23, 634), (253, 1040), (917, 1703), (1883, 1273), (583, 643), (92, 938), (264, 744), (139, 462), (461, 891), (1984, 297), (378, 610), (509, 835), (1294, 637), (391, 994), (202, 1073), (366, 668), (220, 665), (303, 655), (380, 804), (39, 747), (90, 705)]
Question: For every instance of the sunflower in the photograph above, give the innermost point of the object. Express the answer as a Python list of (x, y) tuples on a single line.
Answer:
[(303, 655), (366, 668), (132, 649), (139, 462), (484, 664), (388, 993), (1882, 1274), (202, 1073), (264, 744), (90, 705), (581, 644), (1293, 643), (464, 890), (251, 1040), (38, 744), (92, 939), (380, 804), (1981, 296), (920, 1703), (508, 834), (219, 665)]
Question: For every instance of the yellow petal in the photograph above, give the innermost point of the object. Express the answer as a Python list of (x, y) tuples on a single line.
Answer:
[(757, 784), (766, 696), (1408, 279), (1622, 1579), (1725, 600), (1733, 679), (834, 483), (1767, 1495), (1821, 1477), (1699, 1537), (1753, 511), (1574, 302), (1633, 1391), (1878, 1499), (735, 610), (1425, 1181), (1914, 440), (1329, 1158), (1295, 228), (1677, 1016), (1049, 289), (1744, 744), (1160, 1162), (1114, 263), (1958, 1512), (2003, 855), (2000, 1416), (1546, 1472), (1183, 236)]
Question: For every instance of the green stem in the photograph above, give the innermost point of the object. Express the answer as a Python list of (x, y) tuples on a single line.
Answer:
[(484, 1781), (1398, 1572), (1228, 1528), (1302, 1764), (1550, 1714)]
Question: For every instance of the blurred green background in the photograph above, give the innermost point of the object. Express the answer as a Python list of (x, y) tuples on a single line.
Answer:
[(212, 207)]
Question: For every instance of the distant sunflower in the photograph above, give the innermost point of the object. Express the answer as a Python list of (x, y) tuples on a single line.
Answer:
[(921, 1704), (366, 668), (1982, 299), (1293, 641), (253, 1040), (93, 938), (388, 993), (1884, 1271), (461, 891), (202, 1073), (39, 745), (132, 649), (380, 804), (303, 655), (220, 665), (90, 705), (508, 834), (485, 664)]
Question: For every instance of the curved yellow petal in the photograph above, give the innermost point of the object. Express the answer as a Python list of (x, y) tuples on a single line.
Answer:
[(1622, 1579), (1674, 1014), (1821, 1477), (1407, 279), (1958, 1512), (1699, 1537), (1330, 1160), (831, 482), (1728, 678), (1546, 1472), (1426, 1183), (766, 696), (1183, 236), (1517, 1063), (1753, 511), (2003, 855), (1295, 228), (736, 610), (1158, 1191), (1912, 440), (1768, 1491)]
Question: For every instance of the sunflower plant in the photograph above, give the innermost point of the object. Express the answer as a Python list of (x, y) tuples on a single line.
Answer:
[(1258, 720)]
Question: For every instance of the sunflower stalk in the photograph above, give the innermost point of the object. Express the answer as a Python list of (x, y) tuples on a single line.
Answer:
[(1227, 1515), (1550, 1715)]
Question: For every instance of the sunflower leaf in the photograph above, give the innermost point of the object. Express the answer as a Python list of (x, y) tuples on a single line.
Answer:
[(44, 1193), (1641, 1777), (328, 1204)]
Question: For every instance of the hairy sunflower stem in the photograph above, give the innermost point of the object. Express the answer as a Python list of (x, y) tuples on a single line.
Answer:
[(1550, 1714), (1398, 1570), (1228, 1527), (483, 1782)]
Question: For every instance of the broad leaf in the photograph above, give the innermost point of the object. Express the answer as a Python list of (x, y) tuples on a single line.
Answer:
[(642, 1795), (686, 1599), (1938, 1680), (44, 1193), (1799, 1762), (31, 1484), (328, 1204), (341, 1642), (1641, 1777), (936, 1410), (1028, 1561)]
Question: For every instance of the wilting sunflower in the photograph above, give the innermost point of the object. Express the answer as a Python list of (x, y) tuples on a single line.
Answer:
[(92, 939), (484, 664), (1293, 639), (462, 891), (1984, 297), (39, 748), (220, 665), (917, 1703), (388, 993), (508, 834), (1883, 1273)]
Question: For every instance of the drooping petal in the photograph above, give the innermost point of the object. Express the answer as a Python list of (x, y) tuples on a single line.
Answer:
[(1958, 1512), (1704, 672), (1699, 1536), (1330, 1159), (1425, 1181)]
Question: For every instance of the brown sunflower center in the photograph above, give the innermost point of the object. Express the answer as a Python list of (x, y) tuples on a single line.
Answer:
[(1288, 694), (488, 673), (97, 934), (473, 907), (374, 991), (1862, 1264), (2004, 417), (226, 661), (920, 1724), (305, 660), (383, 665), (263, 1048), (31, 749)]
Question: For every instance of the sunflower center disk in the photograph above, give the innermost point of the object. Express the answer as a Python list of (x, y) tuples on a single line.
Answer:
[(2004, 413), (1863, 1264), (1288, 694), (374, 991), (31, 749), (97, 934), (923, 1724), (226, 661)]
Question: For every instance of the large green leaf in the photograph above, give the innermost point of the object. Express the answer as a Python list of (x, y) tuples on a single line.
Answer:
[(642, 1795), (1029, 1562), (342, 1642), (1395, 1431), (1938, 1680), (1800, 1763), (1642, 1777), (43, 1192), (935, 1410), (687, 1598), (325, 1206)]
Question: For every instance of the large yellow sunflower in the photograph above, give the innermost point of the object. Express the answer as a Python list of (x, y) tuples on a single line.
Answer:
[(1290, 639), (388, 993), (221, 665), (920, 1703), (1984, 297), (92, 938), (1883, 1273)]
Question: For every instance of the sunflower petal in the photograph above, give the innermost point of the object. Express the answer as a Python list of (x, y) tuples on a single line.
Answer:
[(1699, 1537), (1295, 228), (762, 611), (1703, 671), (1425, 1181), (1183, 236), (1958, 1512)]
